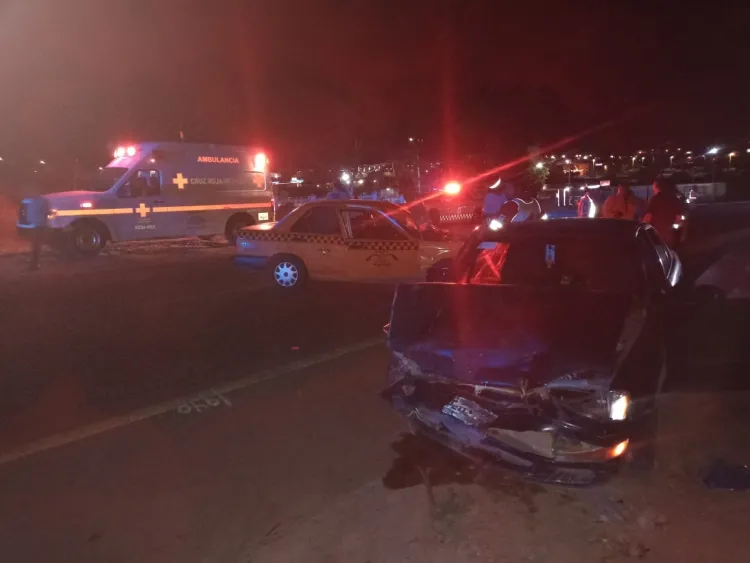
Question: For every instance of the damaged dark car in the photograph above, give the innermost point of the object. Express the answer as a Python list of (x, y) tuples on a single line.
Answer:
[(546, 354)]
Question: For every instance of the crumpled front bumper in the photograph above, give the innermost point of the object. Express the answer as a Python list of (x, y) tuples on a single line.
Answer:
[(510, 441)]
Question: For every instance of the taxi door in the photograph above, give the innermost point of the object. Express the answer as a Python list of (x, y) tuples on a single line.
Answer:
[(316, 237), (142, 192), (377, 249)]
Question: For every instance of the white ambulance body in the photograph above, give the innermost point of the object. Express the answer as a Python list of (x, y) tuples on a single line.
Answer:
[(154, 191)]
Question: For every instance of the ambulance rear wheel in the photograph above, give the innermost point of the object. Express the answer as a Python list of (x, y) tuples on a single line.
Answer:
[(287, 272), (234, 225), (87, 239)]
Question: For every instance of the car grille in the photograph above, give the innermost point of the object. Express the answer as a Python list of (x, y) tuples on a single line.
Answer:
[(23, 214)]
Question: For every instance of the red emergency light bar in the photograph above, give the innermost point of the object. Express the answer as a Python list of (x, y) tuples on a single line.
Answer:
[(452, 188)]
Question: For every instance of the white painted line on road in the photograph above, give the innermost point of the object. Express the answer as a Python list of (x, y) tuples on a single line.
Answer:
[(174, 405)]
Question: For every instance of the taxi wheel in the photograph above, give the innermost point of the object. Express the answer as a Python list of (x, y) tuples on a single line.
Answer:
[(87, 239), (288, 272)]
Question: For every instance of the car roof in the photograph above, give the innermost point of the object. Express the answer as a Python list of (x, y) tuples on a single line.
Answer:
[(568, 227), (352, 202)]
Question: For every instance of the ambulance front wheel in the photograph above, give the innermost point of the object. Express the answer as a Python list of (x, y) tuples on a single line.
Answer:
[(87, 238), (287, 272), (234, 225)]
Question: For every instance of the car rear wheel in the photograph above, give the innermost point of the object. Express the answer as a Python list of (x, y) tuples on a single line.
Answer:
[(288, 272), (86, 239)]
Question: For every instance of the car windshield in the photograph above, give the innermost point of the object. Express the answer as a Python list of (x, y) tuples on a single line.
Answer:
[(600, 264), (103, 180)]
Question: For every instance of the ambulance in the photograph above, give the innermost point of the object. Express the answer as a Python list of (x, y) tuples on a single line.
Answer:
[(153, 191)]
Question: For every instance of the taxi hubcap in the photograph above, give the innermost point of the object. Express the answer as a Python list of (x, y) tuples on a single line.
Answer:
[(286, 274)]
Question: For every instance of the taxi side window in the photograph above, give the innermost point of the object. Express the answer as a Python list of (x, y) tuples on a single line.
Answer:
[(372, 226), (318, 221), (142, 183)]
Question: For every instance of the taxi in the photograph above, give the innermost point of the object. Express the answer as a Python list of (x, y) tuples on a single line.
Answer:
[(343, 240)]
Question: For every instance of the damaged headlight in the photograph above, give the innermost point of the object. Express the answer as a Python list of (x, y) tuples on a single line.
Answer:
[(613, 405), (619, 405)]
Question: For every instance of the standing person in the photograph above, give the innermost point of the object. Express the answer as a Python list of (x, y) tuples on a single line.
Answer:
[(497, 195), (623, 204), (338, 191), (665, 211), (586, 206)]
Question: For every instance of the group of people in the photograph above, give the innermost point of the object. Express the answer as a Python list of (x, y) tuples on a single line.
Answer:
[(663, 211)]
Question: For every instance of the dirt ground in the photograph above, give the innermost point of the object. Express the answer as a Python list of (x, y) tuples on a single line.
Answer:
[(667, 515)]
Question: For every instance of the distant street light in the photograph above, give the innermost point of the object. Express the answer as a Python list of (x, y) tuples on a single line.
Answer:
[(42, 162), (731, 155), (671, 158), (713, 150), (346, 177), (411, 139), (539, 165)]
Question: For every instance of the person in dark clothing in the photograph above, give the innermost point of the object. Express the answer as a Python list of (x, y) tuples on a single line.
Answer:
[(666, 211), (338, 191)]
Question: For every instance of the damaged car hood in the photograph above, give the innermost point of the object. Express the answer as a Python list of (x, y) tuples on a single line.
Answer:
[(520, 337)]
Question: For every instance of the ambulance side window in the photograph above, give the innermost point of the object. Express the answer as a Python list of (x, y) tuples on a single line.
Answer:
[(142, 183), (318, 221)]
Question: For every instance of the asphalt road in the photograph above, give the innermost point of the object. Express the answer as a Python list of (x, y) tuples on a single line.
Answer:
[(103, 448)]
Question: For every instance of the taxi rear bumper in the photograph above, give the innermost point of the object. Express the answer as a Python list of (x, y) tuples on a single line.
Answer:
[(250, 262)]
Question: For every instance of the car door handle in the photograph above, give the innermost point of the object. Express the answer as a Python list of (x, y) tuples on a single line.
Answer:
[(159, 201), (325, 251)]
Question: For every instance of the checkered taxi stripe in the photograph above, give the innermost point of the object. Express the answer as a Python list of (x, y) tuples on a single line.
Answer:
[(276, 236), (456, 217), (383, 245)]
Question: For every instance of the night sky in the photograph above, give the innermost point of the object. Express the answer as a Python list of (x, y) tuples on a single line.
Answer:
[(329, 80)]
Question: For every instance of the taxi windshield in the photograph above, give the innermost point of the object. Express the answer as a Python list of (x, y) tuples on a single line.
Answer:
[(103, 180)]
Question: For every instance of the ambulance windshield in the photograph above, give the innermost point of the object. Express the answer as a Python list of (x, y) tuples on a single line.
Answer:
[(103, 180)]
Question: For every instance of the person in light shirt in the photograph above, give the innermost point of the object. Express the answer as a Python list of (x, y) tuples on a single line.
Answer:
[(586, 206), (623, 204)]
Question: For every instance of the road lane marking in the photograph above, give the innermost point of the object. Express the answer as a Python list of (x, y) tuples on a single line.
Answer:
[(173, 405)]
